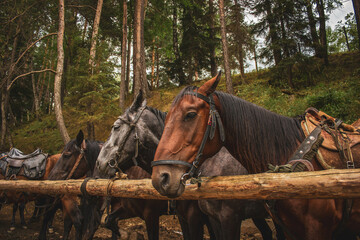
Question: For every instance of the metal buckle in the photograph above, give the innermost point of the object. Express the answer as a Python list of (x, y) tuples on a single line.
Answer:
[(112, 163), (350, 165)]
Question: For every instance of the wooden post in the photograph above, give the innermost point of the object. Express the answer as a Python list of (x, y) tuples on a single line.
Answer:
[(302, 185)]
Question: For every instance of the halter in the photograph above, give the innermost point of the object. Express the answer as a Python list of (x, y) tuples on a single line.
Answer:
[(214, 118), (114, 162), (77, 162)]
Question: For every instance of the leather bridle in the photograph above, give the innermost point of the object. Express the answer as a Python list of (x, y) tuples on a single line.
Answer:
[(113, 163), (214, 118)]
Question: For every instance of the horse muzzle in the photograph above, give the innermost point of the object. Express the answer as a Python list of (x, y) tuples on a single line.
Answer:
[(167, 181)]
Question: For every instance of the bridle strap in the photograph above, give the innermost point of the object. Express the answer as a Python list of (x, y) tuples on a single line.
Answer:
[(114, 162), (81, 155)]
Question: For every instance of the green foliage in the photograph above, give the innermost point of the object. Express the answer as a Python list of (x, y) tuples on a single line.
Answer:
[(337, 38)]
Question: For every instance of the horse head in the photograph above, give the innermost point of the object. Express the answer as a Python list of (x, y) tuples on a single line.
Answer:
[(76, 160), (133, 139), (193, 132)]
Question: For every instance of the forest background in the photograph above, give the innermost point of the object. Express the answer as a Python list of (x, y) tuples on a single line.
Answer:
[(71, 65)]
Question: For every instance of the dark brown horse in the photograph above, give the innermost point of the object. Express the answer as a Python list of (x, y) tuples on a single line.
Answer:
[(20, 199), (77, 161), (255, 137)]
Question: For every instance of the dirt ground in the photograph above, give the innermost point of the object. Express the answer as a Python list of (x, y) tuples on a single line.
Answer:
[(133, 229)]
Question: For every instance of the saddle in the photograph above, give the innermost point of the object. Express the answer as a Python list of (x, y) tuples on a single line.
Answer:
[(338, 136), (33, 164)]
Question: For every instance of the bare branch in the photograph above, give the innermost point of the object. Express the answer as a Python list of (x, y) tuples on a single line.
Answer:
[(28, 73), (13, 19), (82, 6), (31, 45)]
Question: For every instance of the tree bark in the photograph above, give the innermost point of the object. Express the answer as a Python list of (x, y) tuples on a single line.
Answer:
[(123, 59), (35, 93), (143, 79), (356, 5), (153, 63), (322, 21), (229, 85), (95, 35), (313, 32), (140, 81), (273, 33), (212, 33), (59, 72), (339, 183), (178, 68), (5, 88)]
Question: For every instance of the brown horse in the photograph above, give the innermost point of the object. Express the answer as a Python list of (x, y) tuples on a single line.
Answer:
[(20, 199), (255, 137), (77, 161)]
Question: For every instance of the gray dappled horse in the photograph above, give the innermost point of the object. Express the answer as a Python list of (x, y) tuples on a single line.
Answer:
[(133, 140)]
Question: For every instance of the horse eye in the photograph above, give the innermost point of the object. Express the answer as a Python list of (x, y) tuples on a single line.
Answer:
[(190, 115), (116, 127)]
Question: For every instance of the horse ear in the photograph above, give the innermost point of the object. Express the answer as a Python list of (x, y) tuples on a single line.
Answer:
[(79, 138), (210, 86), (137, 102)]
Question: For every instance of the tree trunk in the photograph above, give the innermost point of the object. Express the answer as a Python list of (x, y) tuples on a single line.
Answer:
[(128, 64), (123, 58), (59, 72), (313, 32), (178, 61), (5, 91), (138, 29), (94, 36), (255, 59), (157, 68), (273, 33), (322, 21), (153, 63), (144, 81), (356, 5), (229, 85), (35, 93), (212, 33)]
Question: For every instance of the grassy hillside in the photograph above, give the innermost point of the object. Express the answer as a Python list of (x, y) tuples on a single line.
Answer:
[(334, 89)]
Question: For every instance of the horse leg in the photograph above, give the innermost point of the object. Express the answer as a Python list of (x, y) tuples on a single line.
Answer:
[(263, 227), (152, 224), (111, 223), (209, 227), (34, 216), (279, 232), (21, 212), (67, 227), (12, 225), (71, 209), (184, 228), (47, 220)]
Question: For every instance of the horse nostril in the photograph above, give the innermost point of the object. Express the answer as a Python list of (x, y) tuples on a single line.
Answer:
[(165, 178)]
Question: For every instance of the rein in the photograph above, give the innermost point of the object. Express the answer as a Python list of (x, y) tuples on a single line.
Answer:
[(214, 118), (113, 163)]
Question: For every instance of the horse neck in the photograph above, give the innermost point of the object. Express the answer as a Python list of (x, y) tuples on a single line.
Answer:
[(93, 150), (148, 151), (257, 137)]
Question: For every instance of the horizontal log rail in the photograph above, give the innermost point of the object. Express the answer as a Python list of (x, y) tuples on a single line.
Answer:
[(319, 184)]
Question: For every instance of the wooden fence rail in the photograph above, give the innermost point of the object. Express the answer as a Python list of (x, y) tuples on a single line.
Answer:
[(320, 184)]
